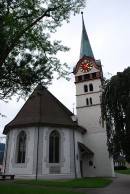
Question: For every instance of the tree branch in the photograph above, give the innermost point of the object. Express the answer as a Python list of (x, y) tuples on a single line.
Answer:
[(16, 39)]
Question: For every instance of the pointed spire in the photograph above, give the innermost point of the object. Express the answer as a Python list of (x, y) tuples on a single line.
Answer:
[(85, 48)]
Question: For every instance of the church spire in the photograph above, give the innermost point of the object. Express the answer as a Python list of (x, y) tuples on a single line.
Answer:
[(85, 48)]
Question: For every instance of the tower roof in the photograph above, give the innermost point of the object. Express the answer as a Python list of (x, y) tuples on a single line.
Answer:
[(85, 48), (44, 109)]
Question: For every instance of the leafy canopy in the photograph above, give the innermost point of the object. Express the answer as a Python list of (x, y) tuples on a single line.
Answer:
[(27, 54), (115, 105)]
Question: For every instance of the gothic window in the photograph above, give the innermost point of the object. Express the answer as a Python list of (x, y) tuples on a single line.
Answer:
[(90, 100), (87, 101), (91, 87), (21, 147), (85, 88), (54, 147)]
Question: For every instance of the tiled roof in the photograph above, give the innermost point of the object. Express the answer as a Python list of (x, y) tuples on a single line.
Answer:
[(42, 108)]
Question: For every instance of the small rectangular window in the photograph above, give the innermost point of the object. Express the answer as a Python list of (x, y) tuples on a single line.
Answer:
[(79, 78), (94, 75), (87, 77)]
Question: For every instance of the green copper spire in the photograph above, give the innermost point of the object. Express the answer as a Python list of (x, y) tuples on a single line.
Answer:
[(85, 48)]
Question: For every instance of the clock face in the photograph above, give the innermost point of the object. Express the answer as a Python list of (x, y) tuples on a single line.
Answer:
[(86, 65)]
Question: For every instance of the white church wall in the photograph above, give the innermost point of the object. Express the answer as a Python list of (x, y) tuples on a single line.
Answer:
[(7, 152), (23, 168), (78, 138), (90, 118), (29, 168), (96, 87), (88, 170), (103, 165), (65, 150), (45, 168), (11, 162), (81, 102)]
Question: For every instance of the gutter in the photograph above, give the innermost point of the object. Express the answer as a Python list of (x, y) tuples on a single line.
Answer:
[(74, 154), (37, 159)]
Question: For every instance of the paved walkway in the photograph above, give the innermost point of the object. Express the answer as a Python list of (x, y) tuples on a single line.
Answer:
[(120, 185)]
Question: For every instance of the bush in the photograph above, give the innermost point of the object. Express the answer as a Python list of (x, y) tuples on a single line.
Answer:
[(120, 167)]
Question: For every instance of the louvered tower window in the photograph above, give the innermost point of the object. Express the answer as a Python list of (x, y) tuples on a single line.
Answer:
[(90, 87), (85, 88), (90, 100)]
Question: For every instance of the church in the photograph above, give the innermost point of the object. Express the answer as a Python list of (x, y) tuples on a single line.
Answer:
[(47, 141)]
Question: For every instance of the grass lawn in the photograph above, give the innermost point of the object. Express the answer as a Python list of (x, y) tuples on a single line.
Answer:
[(127, 171), (16, 189), (76, 183)]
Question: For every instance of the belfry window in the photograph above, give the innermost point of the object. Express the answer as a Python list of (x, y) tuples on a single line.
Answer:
[(54, 147), (85, 88), (91, 87), (94, 75), (86, 76), (90, 99), (21, 147), (87, 101)]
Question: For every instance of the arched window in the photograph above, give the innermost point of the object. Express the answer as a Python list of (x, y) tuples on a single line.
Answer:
[(85, 88), (21, 147), (87, 102), (91, 87), (54, 147), (90, 100)]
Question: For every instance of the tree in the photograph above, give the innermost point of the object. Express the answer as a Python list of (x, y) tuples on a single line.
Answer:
[(27, 54), (115, 106)]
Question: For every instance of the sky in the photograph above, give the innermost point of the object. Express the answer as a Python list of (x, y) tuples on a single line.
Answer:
[(108, 26)]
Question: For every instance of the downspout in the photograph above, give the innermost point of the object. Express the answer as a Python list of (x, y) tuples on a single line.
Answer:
[(38, 137), (74, 154), (37, 152)]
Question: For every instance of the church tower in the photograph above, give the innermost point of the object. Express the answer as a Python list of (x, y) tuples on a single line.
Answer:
[(88, 80)]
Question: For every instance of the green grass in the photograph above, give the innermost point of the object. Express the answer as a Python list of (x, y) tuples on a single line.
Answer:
[(127, 171), (16, 189), (76, 183)]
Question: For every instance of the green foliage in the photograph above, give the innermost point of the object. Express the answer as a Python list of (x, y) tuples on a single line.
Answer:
[(115, 106), (27, 53), (76, 183), (126, 171), (120, 168)]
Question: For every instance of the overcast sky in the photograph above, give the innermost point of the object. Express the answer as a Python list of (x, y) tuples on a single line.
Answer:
[(108, 26)]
